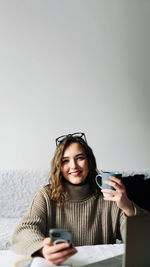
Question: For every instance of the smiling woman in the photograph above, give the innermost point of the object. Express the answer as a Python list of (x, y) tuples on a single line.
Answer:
[(72, 200), (73, 161), (74, 164)]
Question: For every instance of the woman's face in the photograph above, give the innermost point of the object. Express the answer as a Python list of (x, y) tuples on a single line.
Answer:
[(74, 164)]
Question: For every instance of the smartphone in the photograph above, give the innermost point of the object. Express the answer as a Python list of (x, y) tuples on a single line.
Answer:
[(60, 236)]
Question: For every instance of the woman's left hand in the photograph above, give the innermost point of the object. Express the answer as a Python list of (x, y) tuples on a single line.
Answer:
[(119, 195)]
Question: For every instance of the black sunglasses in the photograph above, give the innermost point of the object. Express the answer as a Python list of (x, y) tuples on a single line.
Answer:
[(63, 137)]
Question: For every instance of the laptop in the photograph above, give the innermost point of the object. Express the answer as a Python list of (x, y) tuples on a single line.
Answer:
[(137, 245)]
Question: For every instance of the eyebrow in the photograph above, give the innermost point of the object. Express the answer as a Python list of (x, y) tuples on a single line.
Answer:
[(80, 154)]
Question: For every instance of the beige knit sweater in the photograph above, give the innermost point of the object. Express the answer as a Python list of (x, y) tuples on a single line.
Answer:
[(91, 220)]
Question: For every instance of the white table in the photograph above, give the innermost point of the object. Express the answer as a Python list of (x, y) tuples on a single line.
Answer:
[(85, 255)]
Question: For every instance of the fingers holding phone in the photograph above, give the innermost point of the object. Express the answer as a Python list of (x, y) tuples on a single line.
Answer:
[(57, 252)]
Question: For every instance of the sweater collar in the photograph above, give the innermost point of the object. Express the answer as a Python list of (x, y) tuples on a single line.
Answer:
[(77, 192)]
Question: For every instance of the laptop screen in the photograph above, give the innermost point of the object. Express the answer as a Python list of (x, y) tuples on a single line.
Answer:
[(137, 244)]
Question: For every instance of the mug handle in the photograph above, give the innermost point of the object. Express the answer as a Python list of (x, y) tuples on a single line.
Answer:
[(96, 179)]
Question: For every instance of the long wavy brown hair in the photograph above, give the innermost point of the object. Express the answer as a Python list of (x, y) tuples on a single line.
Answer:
[(57, 191)]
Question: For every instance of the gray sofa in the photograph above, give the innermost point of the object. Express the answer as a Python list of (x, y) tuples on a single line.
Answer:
[(18, 187)]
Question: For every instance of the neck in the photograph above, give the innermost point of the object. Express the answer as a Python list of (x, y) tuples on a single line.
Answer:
[(77, 192)]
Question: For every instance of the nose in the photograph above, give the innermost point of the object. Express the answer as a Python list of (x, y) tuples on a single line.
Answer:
[(73, 164)]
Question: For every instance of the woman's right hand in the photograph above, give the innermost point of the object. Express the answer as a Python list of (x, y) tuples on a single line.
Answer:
[(56, 254)]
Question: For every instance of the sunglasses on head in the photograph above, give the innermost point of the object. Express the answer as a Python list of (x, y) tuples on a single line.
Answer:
[(63, 137)]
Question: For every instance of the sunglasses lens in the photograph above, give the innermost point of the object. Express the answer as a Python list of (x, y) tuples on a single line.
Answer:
[(77, 135), (60, 139)]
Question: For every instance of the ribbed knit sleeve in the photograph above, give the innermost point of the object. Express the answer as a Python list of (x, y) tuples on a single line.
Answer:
[(29, 235), (122, 221), (139, 210)]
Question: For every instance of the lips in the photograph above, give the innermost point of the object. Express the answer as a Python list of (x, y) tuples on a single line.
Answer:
[(75, 173)]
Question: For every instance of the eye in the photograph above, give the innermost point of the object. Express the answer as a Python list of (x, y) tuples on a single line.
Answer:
[(80, 158), (64, 161)]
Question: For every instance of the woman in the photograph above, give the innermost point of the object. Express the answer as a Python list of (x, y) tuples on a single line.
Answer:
[(73, 201)]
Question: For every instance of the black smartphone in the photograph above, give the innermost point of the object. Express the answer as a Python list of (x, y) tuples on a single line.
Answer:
[(60, 236)]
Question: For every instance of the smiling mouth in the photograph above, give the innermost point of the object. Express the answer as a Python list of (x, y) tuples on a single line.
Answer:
[(75, 173)]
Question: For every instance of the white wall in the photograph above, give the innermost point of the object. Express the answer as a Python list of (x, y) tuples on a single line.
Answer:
[(79, 65)]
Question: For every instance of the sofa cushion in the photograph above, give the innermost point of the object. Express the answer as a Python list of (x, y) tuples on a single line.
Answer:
[(17, 189), (138, 190), (7, 227)]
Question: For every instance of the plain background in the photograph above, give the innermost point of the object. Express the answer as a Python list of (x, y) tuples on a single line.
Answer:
[(69, 66)]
